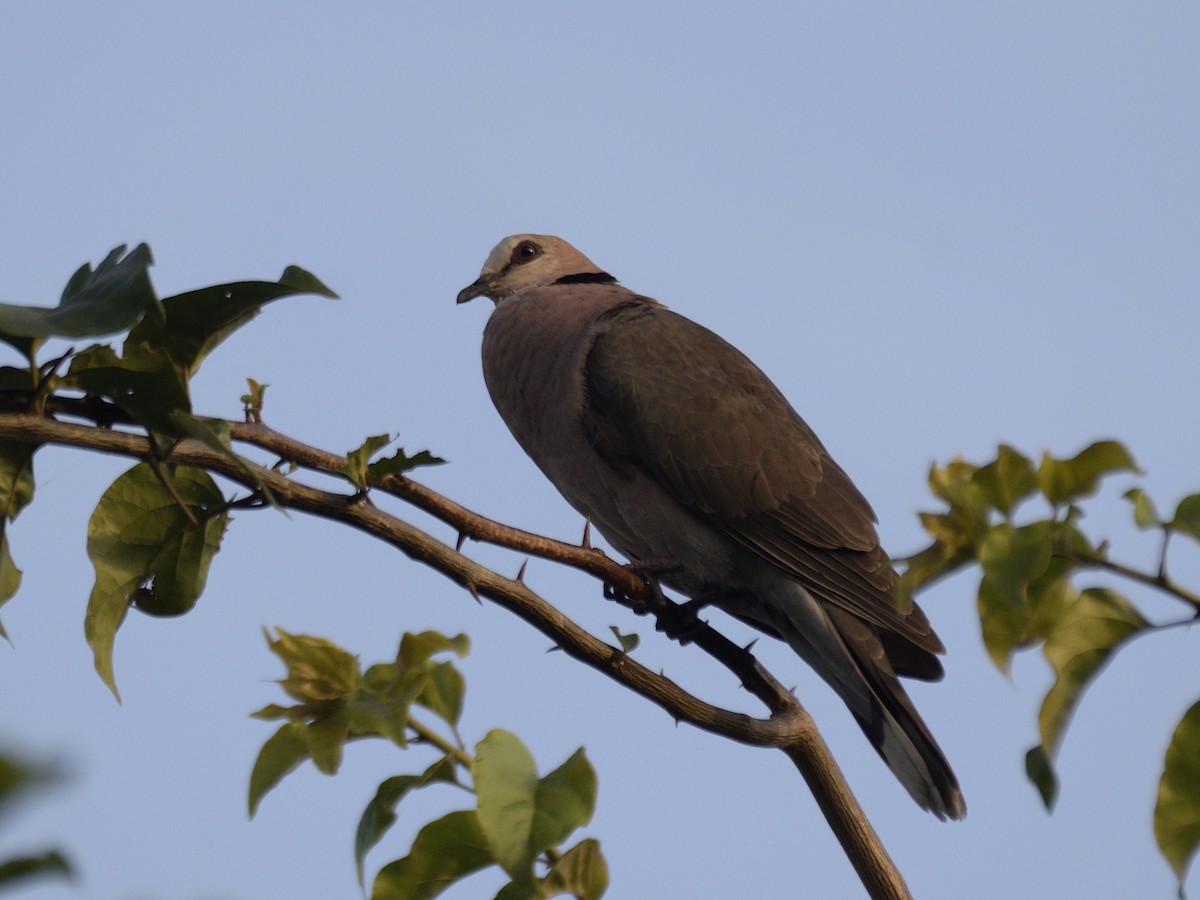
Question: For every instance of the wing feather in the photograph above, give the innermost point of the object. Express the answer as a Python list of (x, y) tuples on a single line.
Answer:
[(674, 399)]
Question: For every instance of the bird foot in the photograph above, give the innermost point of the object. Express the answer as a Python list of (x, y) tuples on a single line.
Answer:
[(681, 621), (648, 570)]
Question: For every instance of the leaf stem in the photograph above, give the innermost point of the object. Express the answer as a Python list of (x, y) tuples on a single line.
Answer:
[(430, 736)]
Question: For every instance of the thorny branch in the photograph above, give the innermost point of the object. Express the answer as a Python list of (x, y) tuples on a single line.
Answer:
[(789, 727)]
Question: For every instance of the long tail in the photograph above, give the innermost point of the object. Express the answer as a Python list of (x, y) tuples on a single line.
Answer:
[(847, 652)]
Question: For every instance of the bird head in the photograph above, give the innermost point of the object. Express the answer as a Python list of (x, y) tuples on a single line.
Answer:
[(530, 260)]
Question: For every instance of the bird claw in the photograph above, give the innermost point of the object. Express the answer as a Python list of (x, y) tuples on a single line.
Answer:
[(682, 622)]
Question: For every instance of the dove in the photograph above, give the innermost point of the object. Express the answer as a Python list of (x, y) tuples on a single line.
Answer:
[(685, 456)]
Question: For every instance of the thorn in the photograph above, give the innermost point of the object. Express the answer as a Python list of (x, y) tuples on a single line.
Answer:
[(521, 574), (586, 543), (474, 593), (462, 537), (554, 649), (749, 646)]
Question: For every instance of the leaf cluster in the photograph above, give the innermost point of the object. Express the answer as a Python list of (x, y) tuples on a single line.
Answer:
[(156, 529), (153, 536), (1029, 595), (519, 819)]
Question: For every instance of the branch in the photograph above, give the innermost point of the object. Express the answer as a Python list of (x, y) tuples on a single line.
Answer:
[(1159, 581), (788, 728)]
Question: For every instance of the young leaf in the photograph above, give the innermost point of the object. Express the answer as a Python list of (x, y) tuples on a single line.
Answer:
[(105, 301), (1006, 481), (400, 462), (1144, 513), (380, 813), (195, 323), (252, 400), (318, 670), (581, 872), (1088, 633), (1063, 480), (444, 851), (506, 784), (628, 642), (356, 460), (142, 543), (415, 649), (282, 753), (1177, 812), (1187, 516)]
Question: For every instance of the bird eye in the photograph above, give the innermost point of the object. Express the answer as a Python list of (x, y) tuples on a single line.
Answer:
[(526, 251)]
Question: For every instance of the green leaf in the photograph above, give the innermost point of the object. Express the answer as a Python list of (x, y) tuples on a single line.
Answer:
[(252, 400), (1144, 513), (1003, 625), (1063, 480), (565, 800), (143, 546), (1187, 516), (318, 670), (356, 460), (327, 737), (1088, 633), (94, 303), (147, 385), (215, 434), (380, 813), (282, 753), (1010, 558), (443, 852), (1007, 481), (581, 872), (506, 785), (1177, 812), (16, 490), (443, 692), (401, 462), (628, 642), (21, 868), (16, 478), (1040, 771), (416, 649), (195, 323)]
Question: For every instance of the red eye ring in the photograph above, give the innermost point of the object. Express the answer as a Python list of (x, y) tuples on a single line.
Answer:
[(526, 251)]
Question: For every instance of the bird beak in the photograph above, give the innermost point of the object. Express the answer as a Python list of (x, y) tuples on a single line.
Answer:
[(477, 288)]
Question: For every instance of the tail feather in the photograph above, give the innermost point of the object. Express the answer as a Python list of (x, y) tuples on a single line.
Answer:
[(849, 655), (894, 726)]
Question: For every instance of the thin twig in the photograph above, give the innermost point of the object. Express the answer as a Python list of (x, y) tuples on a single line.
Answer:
[(1159, 581)]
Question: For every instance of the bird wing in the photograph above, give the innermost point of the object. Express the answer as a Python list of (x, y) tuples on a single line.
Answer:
[(674, 399)]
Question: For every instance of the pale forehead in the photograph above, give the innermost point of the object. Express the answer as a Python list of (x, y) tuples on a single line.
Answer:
[(502, 253)]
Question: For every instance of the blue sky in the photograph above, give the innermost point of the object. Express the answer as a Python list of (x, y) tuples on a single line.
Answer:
[(935, 227)]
